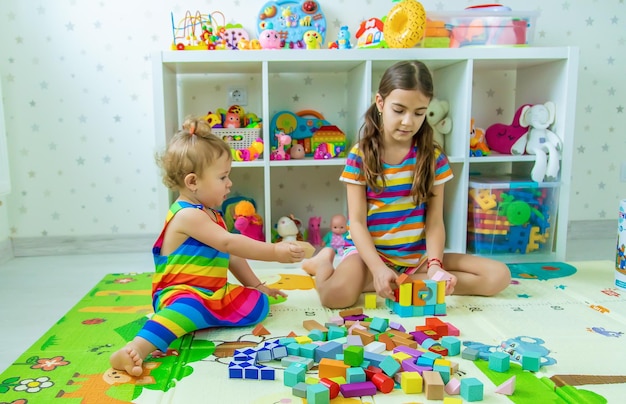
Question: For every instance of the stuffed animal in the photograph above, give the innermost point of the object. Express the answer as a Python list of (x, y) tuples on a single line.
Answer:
[(478, 145), (247, 221), (438, 119), (501, 138), (541, 141), (288, 229), (314, 237)]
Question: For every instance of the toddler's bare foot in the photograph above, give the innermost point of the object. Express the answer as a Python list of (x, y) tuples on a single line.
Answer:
[(128, 360), (325, 256)]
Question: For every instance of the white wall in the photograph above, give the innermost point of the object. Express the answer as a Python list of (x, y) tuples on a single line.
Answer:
[(76, 77)]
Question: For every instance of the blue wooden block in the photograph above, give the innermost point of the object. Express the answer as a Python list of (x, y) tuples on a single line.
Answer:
[(499, 361), (293, 375), (308, 350), (293, 349), (355, 375), (299, 390), (328, 350), (390, 366), (531, 361), (470, 353), (452, 344), (317, 335), (317, 394), (264, 355), (379, 324), (373, 358), (251, 372), (471, 389)]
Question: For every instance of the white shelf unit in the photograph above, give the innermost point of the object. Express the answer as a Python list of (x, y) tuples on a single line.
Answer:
[(350, 78)]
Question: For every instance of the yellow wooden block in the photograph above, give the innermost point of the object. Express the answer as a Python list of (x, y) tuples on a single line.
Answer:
[(303, 339), (370, 300), (441, 292), (400, 356), (452, 400), (443, 362), (411, 382), (406, 294), (308, 248)]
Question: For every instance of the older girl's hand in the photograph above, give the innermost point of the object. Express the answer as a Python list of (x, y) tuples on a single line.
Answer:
[(385, 282)]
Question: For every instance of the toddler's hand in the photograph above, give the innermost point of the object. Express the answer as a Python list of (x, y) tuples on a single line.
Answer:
[(271, 291), (288, 252), (384, 282)]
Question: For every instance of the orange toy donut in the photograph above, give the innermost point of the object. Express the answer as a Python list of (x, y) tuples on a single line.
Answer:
[(405, 24)]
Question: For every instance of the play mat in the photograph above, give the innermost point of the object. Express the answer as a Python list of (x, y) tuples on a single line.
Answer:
[(570, 314)]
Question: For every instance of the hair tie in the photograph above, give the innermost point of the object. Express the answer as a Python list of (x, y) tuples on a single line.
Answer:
[(192, 127)]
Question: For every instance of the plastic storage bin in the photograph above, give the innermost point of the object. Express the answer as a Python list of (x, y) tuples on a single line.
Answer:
[(455, 29), (511, 216)]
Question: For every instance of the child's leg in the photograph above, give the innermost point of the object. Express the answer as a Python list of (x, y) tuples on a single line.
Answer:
[(131, 357), (341, 287), (478, 276)]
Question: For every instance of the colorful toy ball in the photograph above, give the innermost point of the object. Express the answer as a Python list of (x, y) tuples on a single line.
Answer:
[(405, 24)]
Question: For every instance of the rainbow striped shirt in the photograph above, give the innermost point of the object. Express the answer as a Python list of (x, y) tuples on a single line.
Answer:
[(394, 221)]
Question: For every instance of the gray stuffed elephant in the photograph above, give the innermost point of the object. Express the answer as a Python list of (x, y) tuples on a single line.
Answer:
[(540, 141)]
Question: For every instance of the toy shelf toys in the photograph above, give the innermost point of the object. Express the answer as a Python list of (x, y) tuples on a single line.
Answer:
[(510, 216), (203, 32), (490, 25), (308, 128), (241, 130), (291, 20)]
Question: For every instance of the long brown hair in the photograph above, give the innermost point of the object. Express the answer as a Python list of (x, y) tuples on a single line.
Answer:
[(406, 75)]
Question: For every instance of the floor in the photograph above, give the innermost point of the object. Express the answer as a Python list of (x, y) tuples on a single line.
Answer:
[(36, 291)]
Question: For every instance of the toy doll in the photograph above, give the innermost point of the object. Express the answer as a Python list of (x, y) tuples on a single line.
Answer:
[(335, 238)]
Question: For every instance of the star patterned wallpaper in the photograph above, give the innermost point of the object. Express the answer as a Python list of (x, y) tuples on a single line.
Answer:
[(76, 82)]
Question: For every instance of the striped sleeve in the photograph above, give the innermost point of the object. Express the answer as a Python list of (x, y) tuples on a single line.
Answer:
[(443, 171), (353, 171)]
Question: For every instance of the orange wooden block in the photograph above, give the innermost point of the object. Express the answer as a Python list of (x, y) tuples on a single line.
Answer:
[(310, 325), (292, 334), (260, 330), (404, 341), (329, 368), (402, 278), (386, 339), (366, 336), (418, 286), (351, 312), (401, 334)]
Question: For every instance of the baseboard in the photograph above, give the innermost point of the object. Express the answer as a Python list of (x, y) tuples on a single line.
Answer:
[(592, 229), (6, 251), (63, 245)]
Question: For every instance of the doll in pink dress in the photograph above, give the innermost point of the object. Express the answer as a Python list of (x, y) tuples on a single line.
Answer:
[(336, 237)]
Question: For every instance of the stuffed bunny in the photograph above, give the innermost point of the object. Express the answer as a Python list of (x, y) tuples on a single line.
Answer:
[(541, 141), (438, 119)]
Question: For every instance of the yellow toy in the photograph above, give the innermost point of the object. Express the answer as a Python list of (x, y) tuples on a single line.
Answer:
[(405, 24)]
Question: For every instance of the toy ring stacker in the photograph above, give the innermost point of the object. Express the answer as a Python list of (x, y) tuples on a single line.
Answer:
[(404, 26)]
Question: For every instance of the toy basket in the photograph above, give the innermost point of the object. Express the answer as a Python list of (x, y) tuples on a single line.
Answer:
[(238, 138)]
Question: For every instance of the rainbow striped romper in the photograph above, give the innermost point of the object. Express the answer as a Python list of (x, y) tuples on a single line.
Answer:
[(190, 290)]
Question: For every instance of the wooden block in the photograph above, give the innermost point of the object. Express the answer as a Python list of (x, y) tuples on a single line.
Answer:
[(366, 336), (330, 368), (351, 312), (507, 388), (383, 383), (419, 288), (313, 325), (358, 389), (402, 279), (260, 330), (406, 294), (403, 341), (411, 382), (397, 333), (309, 250), (453, 387), (332, 386), (433, 385), (370, 301), (386, 339)]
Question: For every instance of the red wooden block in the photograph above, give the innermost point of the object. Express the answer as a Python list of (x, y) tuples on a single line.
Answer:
[(437, 325), (332, 387), (371, 371), (383, 383)]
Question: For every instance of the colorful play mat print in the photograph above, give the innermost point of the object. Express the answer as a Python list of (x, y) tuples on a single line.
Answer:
[(541, 270)]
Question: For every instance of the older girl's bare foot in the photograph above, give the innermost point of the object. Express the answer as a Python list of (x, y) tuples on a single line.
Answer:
[(128, 360), (324, 257)]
